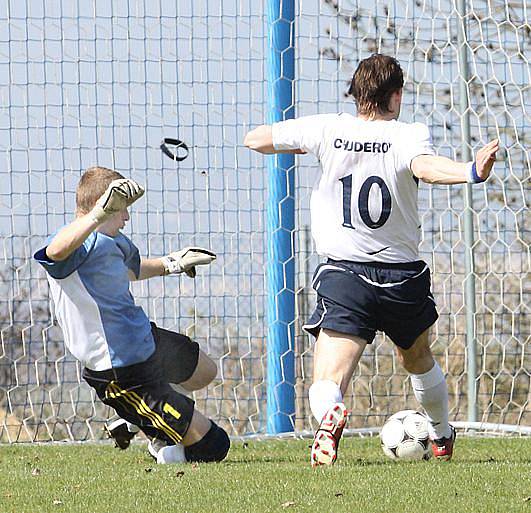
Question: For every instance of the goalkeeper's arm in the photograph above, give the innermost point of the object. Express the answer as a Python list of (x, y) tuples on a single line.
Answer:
[(119, 195), (177, 262), (70, 238), (441, 170)]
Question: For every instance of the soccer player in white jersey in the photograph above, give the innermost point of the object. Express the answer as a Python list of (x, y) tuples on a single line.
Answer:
[(365, 223), (129, 361)]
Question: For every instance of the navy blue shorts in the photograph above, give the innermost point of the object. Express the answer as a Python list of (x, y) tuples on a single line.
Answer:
[(362, 298)]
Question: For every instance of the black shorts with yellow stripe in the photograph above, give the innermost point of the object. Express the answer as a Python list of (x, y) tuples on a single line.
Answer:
[(141, 393)]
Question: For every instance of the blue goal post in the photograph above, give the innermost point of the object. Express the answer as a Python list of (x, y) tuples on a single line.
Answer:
[(280, 225)]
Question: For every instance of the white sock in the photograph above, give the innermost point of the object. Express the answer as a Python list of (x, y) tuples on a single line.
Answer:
[(171, 454), (132, 428), (323, 395), (431, 392)]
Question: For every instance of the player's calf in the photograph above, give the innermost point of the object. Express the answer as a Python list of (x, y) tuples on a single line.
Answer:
[(326, 441)]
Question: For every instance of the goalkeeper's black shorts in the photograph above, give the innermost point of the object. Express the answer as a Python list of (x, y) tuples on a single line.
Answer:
[(362, 298), (141, 393)]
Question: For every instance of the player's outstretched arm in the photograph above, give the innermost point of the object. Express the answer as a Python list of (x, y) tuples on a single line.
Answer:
[(149, 267), (118, 196), (261, 140), (177, 262), (441, 170)]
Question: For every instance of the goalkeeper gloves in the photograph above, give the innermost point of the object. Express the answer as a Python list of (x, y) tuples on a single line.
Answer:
[(185, 260), (119, 195)]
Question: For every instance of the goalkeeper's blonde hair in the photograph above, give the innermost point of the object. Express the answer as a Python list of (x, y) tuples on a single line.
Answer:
[(92, 185)]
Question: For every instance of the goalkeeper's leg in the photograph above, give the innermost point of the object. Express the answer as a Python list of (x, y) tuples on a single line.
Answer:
[(204, 441), (431, 391), (186, 367), (336, 356), (184, 363), (163, 414)]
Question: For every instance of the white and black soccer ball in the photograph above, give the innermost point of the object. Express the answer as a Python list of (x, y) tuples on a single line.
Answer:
[(404, 436)]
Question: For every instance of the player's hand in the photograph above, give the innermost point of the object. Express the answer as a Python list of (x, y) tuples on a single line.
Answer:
[(185, 260), (485, 159), (119, 195)]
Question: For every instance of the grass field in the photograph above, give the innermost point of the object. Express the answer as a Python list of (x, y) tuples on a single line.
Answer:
[(486, 475)]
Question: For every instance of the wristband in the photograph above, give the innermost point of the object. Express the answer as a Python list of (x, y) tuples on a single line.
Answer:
[(472, 174), (171, 266)]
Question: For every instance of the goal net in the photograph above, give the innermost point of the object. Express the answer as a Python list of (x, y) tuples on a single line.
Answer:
[(106, 85)]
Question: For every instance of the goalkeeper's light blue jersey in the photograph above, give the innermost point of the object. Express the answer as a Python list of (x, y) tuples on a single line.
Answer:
[(102, 326)]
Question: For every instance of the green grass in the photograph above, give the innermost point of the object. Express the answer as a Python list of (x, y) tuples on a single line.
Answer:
[(486, 475)]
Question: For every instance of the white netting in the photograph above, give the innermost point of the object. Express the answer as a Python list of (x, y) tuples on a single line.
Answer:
[(424, 38), (106, 85)]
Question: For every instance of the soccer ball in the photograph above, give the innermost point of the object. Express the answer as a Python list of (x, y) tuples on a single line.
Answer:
[(404, 436)]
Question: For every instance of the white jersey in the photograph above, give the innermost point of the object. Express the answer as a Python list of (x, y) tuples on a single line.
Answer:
[(102, 326), (364, 206)]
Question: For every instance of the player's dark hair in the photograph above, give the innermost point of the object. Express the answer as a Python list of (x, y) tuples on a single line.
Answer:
[(374, 82), (93, 184)]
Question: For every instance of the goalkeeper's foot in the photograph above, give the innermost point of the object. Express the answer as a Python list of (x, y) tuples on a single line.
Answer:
[(154, 446), (443, 448), (326, 440), (163, 453), (120, 433)]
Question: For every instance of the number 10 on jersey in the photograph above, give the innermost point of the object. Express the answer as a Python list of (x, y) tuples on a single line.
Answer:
[(363, 202)]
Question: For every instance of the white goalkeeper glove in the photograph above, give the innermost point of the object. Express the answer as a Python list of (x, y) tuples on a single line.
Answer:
[(185, 260), (119, 195)]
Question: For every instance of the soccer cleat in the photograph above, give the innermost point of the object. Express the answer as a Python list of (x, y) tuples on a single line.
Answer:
[(119, 432), (326, 440), (443, 448)]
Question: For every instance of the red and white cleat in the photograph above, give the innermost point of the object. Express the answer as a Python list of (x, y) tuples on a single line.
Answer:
[(326, 440), (443, 448)]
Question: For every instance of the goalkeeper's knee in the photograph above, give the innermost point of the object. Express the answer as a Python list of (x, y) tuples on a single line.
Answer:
[(214, 446)]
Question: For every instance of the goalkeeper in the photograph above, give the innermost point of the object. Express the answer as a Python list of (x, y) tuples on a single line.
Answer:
[(129, 361)]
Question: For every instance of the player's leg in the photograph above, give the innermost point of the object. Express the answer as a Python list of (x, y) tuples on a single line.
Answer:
[(407, 311), (204, 441), (336, 356), (431, 391), (184, 363), (177, 431), (204, 373), (342, 322)]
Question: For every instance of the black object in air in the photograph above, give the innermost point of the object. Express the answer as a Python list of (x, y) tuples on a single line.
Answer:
[(178, 146)]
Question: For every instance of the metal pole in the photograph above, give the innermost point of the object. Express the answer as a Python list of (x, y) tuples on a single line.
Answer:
[(280, 226), (469, 283)]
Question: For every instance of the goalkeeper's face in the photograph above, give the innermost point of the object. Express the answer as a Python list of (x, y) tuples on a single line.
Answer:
[(115, 223)]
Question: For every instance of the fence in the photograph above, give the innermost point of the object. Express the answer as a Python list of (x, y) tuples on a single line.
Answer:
[(105, 85)]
